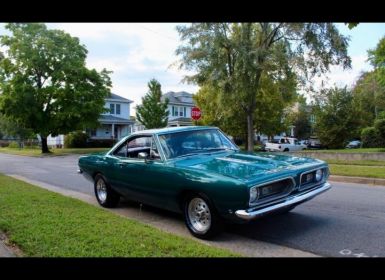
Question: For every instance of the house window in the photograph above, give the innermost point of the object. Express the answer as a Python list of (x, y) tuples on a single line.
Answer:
[(118, 109), (112, 108), (184, 112), (181, 111), (176, 111)]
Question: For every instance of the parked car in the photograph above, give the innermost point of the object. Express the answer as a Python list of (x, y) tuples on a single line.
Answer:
[(353, 144), (285, 144), (315, 143), (199, 172)]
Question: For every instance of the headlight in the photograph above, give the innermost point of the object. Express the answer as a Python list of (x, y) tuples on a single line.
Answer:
[(254, 193), (319, 175)]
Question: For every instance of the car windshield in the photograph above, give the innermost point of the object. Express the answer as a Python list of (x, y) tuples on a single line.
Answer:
[(194, 142)]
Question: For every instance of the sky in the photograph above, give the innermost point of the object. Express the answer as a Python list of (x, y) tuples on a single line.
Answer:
[(138, 52)]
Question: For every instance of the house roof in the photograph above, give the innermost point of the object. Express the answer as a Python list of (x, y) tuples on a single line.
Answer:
[(118, 97), (181, 97), (112, 119)]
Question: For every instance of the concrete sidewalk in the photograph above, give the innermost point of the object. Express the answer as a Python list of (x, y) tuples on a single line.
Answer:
[(5, 252)]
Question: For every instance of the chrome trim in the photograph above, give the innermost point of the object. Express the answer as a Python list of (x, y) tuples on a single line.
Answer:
[(263, 200), (301, 197), (324, 178)]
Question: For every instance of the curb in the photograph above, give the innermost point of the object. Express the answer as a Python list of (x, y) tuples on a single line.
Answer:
[(5, 252), (358, 180)]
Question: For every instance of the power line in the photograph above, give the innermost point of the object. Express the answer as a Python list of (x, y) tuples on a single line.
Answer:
[(156, 32)]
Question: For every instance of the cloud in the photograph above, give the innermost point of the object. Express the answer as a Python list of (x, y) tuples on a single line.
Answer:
[(135, 52)]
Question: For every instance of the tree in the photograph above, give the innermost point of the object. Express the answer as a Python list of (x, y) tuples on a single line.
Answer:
[(377, 59), (12, 128), (370, 96), (337, 117), (235, 56), (44, 82), (153, 112), (301, 119)]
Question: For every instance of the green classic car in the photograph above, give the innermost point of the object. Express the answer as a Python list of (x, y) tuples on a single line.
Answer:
[(198, 171)]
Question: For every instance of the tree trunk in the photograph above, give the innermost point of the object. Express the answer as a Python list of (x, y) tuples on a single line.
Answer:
[(44, 146), (250, 131)]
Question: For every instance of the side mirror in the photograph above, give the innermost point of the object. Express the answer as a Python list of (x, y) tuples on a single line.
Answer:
[(142, 155)]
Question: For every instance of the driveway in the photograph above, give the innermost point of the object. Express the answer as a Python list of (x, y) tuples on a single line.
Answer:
[(348, 220)]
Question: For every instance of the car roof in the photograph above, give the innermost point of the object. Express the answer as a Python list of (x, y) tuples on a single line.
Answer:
[(172, 129)]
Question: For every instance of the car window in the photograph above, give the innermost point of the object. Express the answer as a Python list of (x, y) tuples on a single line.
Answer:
[(192, 142), (133, 147)]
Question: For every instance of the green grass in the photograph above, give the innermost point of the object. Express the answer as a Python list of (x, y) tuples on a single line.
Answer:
[(356, 162), (46, 224), (358, 170), (54, 152), (348, 151)]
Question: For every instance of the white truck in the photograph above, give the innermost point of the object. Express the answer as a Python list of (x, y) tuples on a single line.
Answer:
[(285, 144)]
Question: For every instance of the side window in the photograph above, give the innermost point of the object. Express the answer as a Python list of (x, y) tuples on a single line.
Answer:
[(133, 147)]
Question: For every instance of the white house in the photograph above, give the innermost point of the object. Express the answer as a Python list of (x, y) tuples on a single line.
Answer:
[(115, 124), (179, 108)]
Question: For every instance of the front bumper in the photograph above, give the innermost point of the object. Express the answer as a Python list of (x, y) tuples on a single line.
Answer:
[(251, 214)]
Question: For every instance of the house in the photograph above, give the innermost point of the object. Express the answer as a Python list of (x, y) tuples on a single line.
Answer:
[(115, 124), (179, 108)]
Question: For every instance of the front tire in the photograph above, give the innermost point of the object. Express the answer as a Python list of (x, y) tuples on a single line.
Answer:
[(105, 195), (201, 217)]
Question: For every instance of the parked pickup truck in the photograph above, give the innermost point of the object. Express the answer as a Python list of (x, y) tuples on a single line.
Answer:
[(284, 144)]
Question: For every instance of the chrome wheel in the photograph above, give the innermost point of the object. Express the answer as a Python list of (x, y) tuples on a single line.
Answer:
[(101, 190), (199, 215)]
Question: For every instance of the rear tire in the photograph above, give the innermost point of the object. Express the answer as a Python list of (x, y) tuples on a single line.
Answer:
[(105, 195), (201, 217)]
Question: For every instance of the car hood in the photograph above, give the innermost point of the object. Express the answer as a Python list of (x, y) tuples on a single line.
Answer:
[(244, 165)]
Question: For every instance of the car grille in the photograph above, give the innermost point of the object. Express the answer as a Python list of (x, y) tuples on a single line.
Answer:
[(275, 188), (308, 179)]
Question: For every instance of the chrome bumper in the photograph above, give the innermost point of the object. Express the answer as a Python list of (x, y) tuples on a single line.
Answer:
[(296, 199)]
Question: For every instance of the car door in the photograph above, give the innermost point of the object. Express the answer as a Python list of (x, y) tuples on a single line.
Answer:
[(145, 179), (128, 169)]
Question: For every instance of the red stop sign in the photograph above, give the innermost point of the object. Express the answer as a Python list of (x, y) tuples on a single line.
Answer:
[(196, 113)]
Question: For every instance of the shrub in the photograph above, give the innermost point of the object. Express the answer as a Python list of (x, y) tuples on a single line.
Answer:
[(76, 139), (101, 143), (379, 125), (14, 145), (371, 138)]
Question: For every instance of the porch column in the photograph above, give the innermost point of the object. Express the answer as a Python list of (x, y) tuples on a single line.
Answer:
[(113, 131)]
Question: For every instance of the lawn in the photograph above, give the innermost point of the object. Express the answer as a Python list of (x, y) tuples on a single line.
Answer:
[(356, 162), (358, 170), (54, 152), (360, 150), (46, 224)]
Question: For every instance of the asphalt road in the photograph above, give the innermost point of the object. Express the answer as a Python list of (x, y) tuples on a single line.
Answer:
[(348, 220)]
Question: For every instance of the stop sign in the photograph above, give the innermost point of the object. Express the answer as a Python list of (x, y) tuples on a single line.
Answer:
[(195, 113)]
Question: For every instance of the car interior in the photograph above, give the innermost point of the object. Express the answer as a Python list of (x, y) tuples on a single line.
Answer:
[(133, 147)]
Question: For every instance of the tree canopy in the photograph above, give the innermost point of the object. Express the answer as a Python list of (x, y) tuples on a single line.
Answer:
[(45, 84), (153, 112), (337, 117), (235, 57)]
